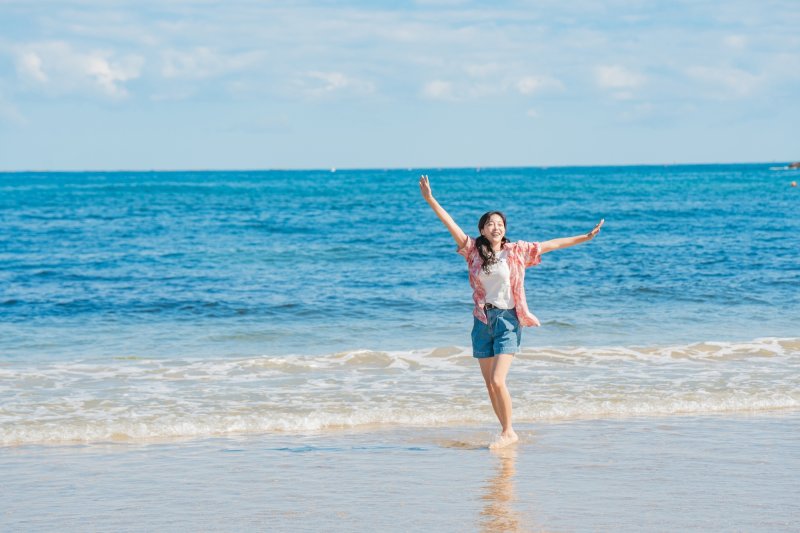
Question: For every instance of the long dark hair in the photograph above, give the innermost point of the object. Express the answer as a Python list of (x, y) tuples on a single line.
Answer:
[(483, 244)]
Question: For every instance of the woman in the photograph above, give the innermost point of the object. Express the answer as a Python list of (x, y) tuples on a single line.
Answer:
[(497, 274)]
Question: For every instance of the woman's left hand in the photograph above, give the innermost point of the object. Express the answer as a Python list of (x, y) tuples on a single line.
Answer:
[(596, 229)]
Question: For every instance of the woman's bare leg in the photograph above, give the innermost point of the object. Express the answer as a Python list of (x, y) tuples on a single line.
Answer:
[(499, 372), (487, 368), (503, 399), (494, 370)]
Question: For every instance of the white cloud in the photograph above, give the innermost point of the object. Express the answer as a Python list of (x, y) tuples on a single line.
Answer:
[(737, 42), (203, 62), (469, 89), (332, 81), (29, 65), (617, 77), (535, 84), (319, 84), (108, 75), (727, 82), (57, 67), (438, 90), (460, 91)]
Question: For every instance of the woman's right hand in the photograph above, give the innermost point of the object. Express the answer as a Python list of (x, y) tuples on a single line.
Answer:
[(425, 187)]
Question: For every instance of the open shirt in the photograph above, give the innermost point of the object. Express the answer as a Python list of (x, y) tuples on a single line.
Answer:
[(521, 254)]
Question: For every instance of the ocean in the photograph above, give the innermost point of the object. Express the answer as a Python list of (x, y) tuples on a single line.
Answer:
[(143, 306)]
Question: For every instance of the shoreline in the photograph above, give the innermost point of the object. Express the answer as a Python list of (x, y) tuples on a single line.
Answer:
[(377, 429)]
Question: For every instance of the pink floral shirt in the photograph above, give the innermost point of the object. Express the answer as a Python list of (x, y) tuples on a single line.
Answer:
[(521, 254)]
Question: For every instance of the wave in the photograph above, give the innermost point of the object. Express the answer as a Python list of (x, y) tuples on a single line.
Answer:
[(133, 399), (185, 426)]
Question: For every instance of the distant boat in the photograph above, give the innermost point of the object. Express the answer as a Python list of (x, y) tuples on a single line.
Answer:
[(790, 166)]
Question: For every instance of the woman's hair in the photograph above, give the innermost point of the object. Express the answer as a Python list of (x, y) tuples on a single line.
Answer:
[(484, 247)]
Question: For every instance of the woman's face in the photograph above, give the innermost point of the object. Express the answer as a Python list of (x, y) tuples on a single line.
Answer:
[(494, 229)]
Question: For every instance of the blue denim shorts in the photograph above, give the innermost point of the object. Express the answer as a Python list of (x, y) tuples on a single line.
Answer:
[(502, 334)]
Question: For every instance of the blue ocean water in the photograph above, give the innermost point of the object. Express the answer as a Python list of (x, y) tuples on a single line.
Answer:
[(218, 264), (152, 305)]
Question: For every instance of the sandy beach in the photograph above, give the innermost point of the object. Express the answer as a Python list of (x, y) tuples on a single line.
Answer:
[(699, 473)]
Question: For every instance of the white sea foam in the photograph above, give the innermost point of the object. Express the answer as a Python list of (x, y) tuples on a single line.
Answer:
[(132, 399)]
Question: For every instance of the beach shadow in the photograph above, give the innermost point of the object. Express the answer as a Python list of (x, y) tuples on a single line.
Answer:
[(498, 513)]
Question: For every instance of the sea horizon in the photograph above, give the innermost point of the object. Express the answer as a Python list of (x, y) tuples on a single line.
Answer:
[(399, 167)]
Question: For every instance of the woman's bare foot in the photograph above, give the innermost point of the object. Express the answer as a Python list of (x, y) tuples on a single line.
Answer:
[(503, 440)]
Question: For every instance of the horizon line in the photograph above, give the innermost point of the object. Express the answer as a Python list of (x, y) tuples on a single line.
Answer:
[(334, 169)]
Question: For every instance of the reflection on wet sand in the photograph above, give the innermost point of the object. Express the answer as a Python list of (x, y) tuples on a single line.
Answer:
[(498, 513)]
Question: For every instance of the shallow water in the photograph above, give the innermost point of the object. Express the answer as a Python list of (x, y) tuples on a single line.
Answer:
[(677, 473), (147, 399)]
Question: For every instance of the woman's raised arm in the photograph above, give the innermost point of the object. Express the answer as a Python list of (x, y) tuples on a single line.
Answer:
[(566, 242), (457, 233)]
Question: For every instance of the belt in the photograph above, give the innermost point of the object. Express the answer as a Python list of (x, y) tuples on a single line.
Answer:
[(490, 306)]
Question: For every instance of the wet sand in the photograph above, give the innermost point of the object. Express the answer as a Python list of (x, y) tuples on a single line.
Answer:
[(699, 473)]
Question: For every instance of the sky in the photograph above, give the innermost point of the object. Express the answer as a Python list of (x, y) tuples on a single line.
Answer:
[(246, 84)]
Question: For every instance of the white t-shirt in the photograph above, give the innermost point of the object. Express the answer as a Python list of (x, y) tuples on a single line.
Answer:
[(498, 282)]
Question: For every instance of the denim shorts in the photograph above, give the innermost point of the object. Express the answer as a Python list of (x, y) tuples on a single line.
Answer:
[(502, 334)]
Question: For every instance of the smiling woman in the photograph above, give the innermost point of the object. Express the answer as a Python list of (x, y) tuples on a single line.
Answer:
[(497, 275)]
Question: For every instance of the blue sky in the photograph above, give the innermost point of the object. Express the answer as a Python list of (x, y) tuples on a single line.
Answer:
[(245, 84)]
